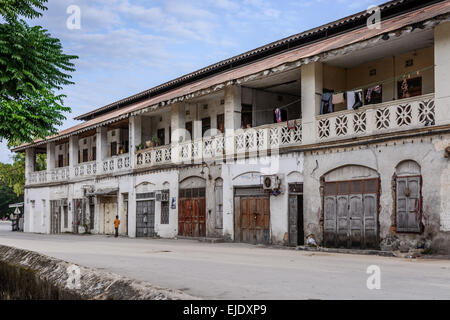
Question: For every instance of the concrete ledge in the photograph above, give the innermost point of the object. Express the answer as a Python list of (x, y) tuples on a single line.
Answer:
[(348, 251), (203, 239), (29, 275)]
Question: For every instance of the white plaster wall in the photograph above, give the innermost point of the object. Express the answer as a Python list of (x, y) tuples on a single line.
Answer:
[(153, 182), (248, 173), (427, 152)]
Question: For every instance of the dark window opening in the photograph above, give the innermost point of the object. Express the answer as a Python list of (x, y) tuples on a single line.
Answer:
[(189, 129), (206, 125), (162, 136), (247, 116), (113, 149)]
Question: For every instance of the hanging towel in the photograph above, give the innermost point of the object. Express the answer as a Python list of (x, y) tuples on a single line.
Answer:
[(350, 99), (338, 98)]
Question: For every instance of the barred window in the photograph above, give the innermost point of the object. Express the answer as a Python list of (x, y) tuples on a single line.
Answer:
[(165, 212)]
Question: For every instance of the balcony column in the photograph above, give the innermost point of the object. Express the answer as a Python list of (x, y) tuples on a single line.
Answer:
[(312, 87), (101, 147), (30, 162), (51, 162), (442, 70), (135, 131), (73, 154), (233, 109), (178, 125)]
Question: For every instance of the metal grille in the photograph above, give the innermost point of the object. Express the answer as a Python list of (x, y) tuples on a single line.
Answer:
[(149, 195), (192, 193), (164, 212)]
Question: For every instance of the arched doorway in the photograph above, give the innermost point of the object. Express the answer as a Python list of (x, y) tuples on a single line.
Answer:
[(350, 201), (192, 208)]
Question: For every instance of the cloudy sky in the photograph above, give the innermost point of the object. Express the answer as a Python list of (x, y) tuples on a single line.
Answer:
[(127, 46)]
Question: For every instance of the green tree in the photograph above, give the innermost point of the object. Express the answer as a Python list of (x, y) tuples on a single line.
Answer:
[(13, 175), (7, 197), (33, 68)]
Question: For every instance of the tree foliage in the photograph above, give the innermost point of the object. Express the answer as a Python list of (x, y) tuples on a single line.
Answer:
[(33, 68), (11, 9), (13, 175)]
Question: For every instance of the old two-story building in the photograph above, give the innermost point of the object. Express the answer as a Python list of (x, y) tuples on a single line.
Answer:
[(340, 133)]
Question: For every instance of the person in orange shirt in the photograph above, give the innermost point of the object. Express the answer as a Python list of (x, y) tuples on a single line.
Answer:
[(116, 226)]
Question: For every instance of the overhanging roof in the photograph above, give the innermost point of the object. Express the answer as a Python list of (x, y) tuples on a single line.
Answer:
[(299, 56), (358, 20)]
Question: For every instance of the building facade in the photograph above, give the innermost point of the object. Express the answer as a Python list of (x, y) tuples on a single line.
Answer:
[(340, 134)]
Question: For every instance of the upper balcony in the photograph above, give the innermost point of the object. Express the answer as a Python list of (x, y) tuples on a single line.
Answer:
[(395, 88)]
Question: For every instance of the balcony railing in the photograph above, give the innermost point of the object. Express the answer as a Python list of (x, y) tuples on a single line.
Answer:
[(259, 139), (59, 174), (154, 156), (116, 164), (386, 117), (393, 116), (85, 169)]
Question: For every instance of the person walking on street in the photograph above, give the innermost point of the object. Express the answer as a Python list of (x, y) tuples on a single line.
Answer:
[(116, 226)]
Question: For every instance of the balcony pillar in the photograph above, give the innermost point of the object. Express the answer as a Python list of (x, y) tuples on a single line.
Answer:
[(442, 70), (233, 109), (135, 139), (312, 88), (51, 159), (101, 147), (73, 154), (30, 162), (178, 124)]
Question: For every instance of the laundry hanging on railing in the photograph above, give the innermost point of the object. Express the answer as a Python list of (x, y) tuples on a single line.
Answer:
[(326, 105), (370, 91), (291, 124), (278, 115), (354, 99)]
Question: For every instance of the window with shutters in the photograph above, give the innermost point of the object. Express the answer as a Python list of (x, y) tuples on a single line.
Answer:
[(408, 197)]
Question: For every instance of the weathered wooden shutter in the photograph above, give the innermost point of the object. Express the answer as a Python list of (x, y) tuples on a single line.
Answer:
[(342, 220), (330, 220), (370, 220), (408, 204), (356, 219)]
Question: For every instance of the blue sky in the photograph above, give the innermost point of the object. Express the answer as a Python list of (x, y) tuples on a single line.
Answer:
[(127, 46)]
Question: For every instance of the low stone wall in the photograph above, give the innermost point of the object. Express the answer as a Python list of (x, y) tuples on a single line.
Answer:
[(27, 275)]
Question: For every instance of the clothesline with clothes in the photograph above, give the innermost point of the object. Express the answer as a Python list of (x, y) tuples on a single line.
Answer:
[(355, 98)]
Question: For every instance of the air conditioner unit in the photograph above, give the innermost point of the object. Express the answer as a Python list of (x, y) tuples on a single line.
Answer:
[(271, 182)]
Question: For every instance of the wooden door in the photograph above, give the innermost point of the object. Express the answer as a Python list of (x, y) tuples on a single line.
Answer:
[(293, 221), (109, 212), (254, 224), (351, 214), (192, 215)]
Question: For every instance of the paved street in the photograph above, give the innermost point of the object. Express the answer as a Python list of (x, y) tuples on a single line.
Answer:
[(239, 271)]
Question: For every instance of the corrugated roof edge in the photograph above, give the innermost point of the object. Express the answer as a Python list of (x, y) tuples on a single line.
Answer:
[(247, 54)]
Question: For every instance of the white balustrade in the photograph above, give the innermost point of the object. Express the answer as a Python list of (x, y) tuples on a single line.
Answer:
[(59, 174), (117, 164), (390, 116), (85, 169)]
